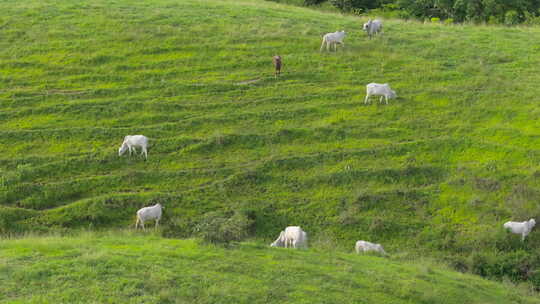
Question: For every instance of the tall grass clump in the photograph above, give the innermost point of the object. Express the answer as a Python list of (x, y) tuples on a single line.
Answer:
[(219, 227)]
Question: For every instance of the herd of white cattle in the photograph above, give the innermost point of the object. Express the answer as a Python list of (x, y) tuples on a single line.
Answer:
[(294, 236), (372, 27)]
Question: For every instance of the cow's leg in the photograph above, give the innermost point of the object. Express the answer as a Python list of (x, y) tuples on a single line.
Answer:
[(137, 223), (386, 99), (322, 46), (157, 222), (381, 99), (142, 224), (145, 152), (366, 99)]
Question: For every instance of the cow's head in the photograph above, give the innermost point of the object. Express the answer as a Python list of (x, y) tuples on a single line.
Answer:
[(122, 149), (367, 25), (280, 241)]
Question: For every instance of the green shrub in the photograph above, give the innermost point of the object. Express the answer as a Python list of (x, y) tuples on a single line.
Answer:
[(492, 20), (218, 227), (511, 18), (449, 21), (313, 2), (519, 265), (390, 10), (355, 6), (531, 19), (435, 20), (10, 219), (177, 228)]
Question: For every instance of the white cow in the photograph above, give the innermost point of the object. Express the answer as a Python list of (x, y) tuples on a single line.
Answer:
[(293, 236), (147, 214), (333, 39), (364, 246), (372, 27), (378, 89), (523, 228), (133, 141)]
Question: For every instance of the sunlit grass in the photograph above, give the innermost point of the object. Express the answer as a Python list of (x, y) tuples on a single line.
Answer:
[(434, 173), (135, 267)]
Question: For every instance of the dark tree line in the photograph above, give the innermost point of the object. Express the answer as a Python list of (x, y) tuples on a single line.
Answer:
[(491, 11)]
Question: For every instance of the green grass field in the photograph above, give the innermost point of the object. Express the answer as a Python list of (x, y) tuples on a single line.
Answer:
[(433, 174), (131, 268)]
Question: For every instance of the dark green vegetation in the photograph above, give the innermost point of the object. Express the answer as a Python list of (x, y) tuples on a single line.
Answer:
[(435, 173), (128, 268), (508, 12)]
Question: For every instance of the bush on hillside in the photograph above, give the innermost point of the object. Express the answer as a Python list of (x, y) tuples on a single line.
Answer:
[(519, 265), (511, 18), (531, 18), (10, 219), (313, 2), (509, 12), (389, 10), (177, 227), (219, 227), (354, 6)]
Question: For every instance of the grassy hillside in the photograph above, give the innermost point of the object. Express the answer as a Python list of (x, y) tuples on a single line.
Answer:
[(128, 268), (434, 173)]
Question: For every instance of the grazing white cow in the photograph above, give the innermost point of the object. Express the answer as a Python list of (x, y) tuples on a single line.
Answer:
[(372, 27), (364, 246), (333, 39), (523, 228), (148, 214), (133, 141), (293, 236), (378, 89)]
